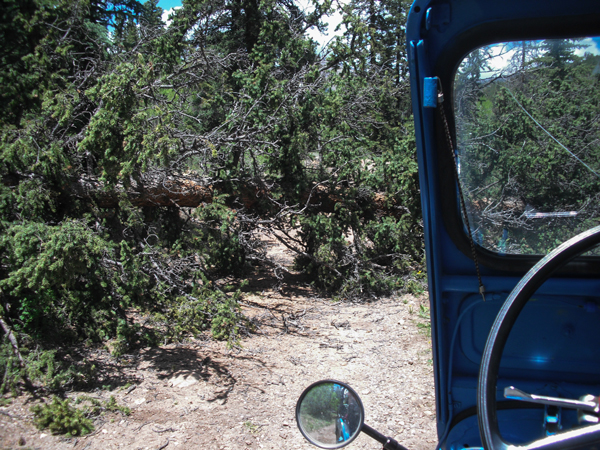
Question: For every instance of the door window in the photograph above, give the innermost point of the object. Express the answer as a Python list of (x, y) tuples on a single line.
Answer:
[(528, 142)]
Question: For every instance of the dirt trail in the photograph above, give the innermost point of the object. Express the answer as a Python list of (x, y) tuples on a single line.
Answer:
[(200, 395), (203, 396)]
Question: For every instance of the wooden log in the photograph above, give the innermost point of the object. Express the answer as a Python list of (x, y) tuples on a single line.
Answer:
[(184, 192)]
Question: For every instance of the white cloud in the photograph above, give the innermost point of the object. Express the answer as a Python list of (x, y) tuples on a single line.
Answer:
[(591, 46), (333, 21), (167, 13), (500, 58)]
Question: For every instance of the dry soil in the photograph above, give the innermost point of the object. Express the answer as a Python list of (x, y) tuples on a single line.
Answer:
[(202, 395)]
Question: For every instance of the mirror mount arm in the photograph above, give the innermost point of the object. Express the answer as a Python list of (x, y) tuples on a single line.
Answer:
[(388, 443)]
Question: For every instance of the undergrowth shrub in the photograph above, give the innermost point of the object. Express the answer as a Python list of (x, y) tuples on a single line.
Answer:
[(44, 368), (61, 418), (205, 308), (356, 249), (218, 231), (324, 240), (352, 257), (67, 283), (60, 280), (94, 407)]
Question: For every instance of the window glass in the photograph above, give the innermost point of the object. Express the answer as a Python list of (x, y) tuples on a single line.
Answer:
[(528, 142)]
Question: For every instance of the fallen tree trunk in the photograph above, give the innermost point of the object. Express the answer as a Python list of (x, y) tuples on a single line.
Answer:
[(185, 192), (164, 192)]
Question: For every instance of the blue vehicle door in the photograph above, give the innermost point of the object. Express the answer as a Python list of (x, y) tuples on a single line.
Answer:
[(506, 103)]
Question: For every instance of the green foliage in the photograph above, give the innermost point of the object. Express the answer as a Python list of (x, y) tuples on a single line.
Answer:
[(43, 368), (369, 156), (59, 280), (203, 309), (251, 427), (528, 143), (416, 283), (112, 405), (352, 251), (62, 418), (107, 131), (227, 319), (218, 234), (425, 325), (9, 369), (325, 242), (94, 407)]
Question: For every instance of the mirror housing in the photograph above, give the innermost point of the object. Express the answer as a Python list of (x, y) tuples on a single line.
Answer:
[(330, 414)]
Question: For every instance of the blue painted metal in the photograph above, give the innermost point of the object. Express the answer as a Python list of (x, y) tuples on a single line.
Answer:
[(437, 15), (553, 348)]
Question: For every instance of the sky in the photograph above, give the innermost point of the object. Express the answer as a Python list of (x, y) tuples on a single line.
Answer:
[(502, 54), (168, 4), (593, 47)]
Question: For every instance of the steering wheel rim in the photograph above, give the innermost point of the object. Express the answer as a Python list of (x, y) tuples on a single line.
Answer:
[(490, 361)]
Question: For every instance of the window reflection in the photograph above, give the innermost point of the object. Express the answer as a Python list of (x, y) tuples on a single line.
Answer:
[(528, 134)]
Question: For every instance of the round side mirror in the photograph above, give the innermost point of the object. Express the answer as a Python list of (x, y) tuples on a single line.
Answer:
[(330, 414)]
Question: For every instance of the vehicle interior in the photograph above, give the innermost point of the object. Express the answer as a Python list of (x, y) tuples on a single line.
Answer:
[(506, 102)]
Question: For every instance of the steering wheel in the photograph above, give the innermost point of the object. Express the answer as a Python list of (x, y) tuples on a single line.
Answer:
[(490, 362)]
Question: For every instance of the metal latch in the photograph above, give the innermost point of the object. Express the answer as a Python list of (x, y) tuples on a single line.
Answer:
[(588, 406)]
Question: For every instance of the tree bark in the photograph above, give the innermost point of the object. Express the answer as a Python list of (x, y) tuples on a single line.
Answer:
[(184, 192)]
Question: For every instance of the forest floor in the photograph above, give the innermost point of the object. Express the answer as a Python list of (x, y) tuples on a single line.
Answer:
[(202, 395)]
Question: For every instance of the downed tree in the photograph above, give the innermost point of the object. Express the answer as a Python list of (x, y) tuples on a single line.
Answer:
[(187, 193)]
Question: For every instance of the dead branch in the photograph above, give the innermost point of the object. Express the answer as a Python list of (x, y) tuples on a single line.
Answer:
[(8, 332)]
